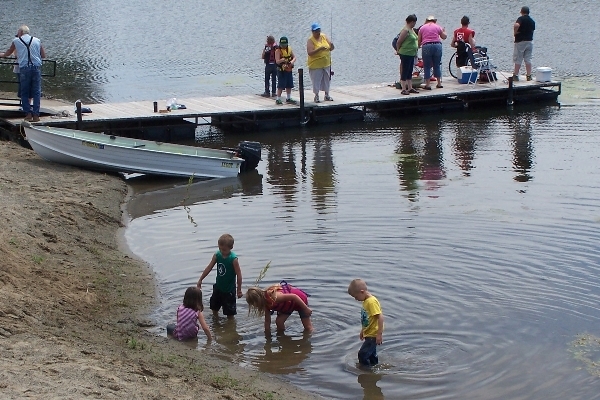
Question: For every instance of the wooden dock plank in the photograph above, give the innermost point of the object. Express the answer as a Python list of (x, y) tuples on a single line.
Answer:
[(344, 96)]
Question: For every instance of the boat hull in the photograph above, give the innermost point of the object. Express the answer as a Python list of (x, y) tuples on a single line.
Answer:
[(112, 153)]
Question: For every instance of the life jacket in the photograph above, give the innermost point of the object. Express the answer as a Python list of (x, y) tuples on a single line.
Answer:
[(287, 54), (270, 54)]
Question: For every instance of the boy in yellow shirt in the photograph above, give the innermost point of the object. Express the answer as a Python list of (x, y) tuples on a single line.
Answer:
[(371, 320)]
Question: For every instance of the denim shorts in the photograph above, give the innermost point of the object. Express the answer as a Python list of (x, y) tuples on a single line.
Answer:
[(285, 80)]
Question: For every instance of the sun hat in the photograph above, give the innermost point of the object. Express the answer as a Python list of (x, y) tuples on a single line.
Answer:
[(283, 41), (315, 27), (431, 18)]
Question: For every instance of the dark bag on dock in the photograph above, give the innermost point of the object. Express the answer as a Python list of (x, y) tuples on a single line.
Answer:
[(487, 75)]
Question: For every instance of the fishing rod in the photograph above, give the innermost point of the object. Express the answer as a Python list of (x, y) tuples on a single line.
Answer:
[(331, 39)]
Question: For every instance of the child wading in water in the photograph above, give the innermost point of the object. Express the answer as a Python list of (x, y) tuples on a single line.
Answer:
[(189, 314), (371, 319), (283, 298), (228, 269)]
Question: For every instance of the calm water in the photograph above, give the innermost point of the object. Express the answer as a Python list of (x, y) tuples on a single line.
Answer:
[(477, 231), (152, 50)]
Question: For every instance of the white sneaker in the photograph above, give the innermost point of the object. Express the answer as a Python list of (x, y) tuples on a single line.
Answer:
[(317, 99)]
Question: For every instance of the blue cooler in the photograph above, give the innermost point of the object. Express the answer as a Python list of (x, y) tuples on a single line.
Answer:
[(467, 75)]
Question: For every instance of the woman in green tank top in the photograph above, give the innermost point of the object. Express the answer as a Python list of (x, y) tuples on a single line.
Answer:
[(407, 48)]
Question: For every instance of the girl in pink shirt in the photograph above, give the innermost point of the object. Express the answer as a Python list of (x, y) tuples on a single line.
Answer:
[(189, 315), (283, 298)]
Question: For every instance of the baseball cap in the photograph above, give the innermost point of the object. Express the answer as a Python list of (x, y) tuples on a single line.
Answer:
[(283, 41), (315, 27)]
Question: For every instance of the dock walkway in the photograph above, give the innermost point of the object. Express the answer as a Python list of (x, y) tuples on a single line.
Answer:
[(255, 112)]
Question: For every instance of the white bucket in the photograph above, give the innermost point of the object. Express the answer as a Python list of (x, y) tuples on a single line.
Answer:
[(543, 74)]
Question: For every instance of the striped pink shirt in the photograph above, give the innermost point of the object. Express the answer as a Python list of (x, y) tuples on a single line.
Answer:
[(187, 323)]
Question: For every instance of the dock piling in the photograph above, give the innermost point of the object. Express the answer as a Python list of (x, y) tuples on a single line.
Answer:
[(301, 89), (510, 100), (78, 110)]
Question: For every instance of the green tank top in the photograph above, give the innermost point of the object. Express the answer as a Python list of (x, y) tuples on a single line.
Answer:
[(225, 272), (410, 46)]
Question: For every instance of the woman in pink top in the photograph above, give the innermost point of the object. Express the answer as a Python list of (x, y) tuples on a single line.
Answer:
[(430, 41)]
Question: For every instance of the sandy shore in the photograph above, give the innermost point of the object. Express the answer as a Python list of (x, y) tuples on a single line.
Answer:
[(73, 306)]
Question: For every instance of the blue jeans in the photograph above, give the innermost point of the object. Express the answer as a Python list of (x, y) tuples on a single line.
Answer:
[(432, 57), (367, 355), (31, 87)]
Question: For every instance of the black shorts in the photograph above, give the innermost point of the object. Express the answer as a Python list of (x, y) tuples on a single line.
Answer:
[(220, 299)]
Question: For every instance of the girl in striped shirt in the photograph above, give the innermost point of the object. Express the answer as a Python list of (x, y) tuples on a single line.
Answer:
[(189, 315)]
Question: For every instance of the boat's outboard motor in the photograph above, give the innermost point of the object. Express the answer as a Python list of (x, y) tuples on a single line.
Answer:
[(250, 152)]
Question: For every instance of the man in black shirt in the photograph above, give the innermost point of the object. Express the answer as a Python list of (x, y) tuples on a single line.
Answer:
[(523, 30)]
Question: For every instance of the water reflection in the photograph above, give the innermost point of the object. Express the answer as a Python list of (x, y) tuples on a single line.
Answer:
[(432, 166), (251, 183), (225, 332), (465, 138), (151, 194), (284, 354), (281, 172), (368, 382), (420, 158), (522, 146), (323, 176), (408, 165)]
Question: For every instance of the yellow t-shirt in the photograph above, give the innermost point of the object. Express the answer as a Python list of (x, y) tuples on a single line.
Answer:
[(370, 309), (323, 58)]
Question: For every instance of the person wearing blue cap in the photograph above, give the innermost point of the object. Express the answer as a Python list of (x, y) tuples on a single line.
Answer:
[(319, 49)]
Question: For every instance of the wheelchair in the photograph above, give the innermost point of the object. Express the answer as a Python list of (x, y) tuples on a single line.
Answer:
[(477, 59)]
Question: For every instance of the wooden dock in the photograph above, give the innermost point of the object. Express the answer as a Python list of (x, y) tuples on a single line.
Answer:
[(251, 112)]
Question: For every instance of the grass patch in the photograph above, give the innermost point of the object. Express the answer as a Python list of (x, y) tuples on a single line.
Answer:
[(122, 303), (224, 381), (135, 344), (101, 281), (268, 396), (37, 259)]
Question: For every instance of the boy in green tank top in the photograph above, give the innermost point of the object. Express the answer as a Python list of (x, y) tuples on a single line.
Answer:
[(228, 269)]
